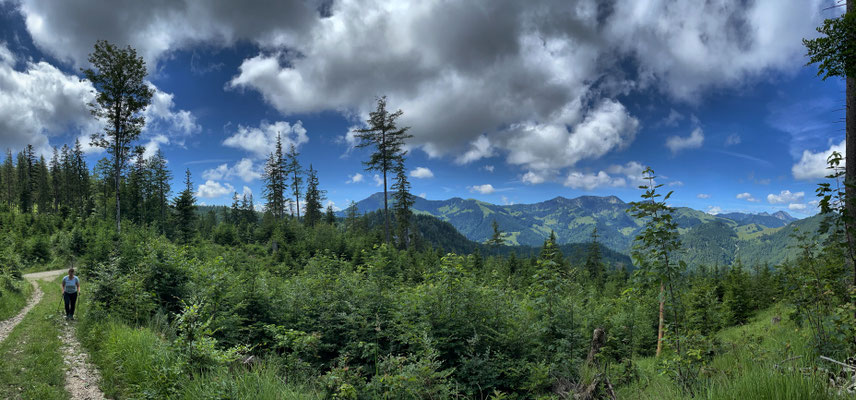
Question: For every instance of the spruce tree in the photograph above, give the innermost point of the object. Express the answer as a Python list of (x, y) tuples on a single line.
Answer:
[(123, 94), (594, 263), (403, 204), (295, 173), (185, 210), (9, 181), (42, 186), (314, 197), (496, 239), (160, 176), (330, 216), (275, 181), (387, 139)]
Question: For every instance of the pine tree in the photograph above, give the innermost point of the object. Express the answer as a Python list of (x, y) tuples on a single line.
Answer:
[(403, 204), (314, 197), (496, 239), (123, 94), (388, 141), (42, 186), (24, 168), (330, 216), (160, 176), (9, 181), (275, 181), (594, 263), (58, 176), (185, 210), (295, 173)]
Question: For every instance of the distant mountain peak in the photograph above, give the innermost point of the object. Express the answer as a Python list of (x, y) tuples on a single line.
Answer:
[(783, 216)]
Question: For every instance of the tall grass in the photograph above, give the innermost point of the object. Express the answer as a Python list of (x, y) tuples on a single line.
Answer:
[(12, 301)]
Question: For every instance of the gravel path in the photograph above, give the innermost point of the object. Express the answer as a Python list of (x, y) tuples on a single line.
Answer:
[(81, 378)]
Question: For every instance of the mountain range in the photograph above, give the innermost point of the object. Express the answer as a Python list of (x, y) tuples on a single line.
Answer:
[(707, 239)]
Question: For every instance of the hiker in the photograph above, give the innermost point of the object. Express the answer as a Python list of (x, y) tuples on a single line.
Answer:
[(70, 287)]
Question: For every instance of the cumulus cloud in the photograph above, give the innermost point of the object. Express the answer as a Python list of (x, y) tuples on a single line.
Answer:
[(260, 141), (488, 168), (483, 189), (244, 169), (355, 178), (813, 165), (672, 119), (162, 117), (39, 102), (796, 207), (676, 183), (748, 197), (703, 196), (377, 180), (421, 173), (785, 196), (693, 141), (534, 178), (213, 189), (516, 71), (579, 180), (423, 195), (714, 210)]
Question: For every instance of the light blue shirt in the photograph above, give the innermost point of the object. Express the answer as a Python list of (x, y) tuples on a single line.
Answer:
[(70, 284)]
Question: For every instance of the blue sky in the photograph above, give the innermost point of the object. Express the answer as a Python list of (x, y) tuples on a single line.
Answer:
[(508, 102)]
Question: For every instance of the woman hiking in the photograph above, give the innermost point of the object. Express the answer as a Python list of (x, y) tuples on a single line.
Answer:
[(70, 288)]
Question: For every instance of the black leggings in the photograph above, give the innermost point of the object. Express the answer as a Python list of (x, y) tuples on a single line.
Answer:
[(70, 301)]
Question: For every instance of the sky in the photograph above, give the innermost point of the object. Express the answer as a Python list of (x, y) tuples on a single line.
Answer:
[(507, 101)]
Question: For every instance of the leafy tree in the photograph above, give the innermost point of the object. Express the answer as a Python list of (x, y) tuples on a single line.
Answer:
[(185, 210), (835, 54), (656, 243), (123, 94), (295, 173), (403, 205), (275, 181), (387, 139), (314, 197)]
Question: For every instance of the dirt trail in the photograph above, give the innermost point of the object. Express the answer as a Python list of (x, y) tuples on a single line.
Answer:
[(81, 378), (9, 324)]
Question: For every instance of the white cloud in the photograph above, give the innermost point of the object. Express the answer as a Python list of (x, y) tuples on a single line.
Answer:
[(247, 191), (244, 169), (785, 196), (676, 183), (213, 189), (483, 189), (632, 172), (534, 178), (579, 180), (732, 139), (153, 145), (672, 119), (421, 173), (423, 195), (514, 69), (378, 180), (162, 118), (714, 210), (355, 178), (332, 203), (506, 201), (813, 165), (262, 140), (40, 101), (479, 148), (703, 196), (678, 143), (796, 207), (748, 197)]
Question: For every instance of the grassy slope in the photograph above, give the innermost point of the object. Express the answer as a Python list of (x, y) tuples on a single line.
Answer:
[(12, 302), (745, 368), (32, 366)]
